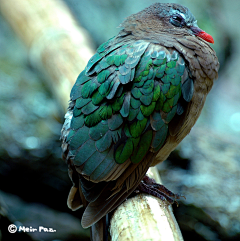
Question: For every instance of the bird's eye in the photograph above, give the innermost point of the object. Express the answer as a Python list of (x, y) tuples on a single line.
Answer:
[(177, 20)]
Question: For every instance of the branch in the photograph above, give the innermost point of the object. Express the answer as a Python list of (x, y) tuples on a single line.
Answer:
[(56, 44), (145, 217)]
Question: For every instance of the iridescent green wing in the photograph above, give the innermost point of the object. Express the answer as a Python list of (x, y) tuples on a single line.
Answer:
[(122, 104), (161, 89), (100, 103)]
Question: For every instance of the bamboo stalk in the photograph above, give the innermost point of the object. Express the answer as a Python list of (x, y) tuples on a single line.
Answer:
[(60, 49)]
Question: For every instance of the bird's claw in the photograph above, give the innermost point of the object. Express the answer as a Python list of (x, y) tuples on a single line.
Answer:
[(149, 185)]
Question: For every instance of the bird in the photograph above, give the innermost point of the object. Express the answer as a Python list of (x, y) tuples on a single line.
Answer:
[(135, 101)]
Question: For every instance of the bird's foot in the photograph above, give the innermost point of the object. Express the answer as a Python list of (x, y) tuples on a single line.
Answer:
[(149, 185)]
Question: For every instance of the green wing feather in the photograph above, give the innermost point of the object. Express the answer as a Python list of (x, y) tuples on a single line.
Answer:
[(122, 104)]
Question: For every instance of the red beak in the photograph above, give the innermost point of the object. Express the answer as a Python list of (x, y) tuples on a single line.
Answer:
[(200, 33)]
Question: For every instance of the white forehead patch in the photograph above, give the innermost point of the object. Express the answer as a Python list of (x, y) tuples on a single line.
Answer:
[(177, 12), (188, 17)]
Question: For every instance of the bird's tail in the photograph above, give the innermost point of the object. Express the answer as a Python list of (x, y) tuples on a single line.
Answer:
[(99, 230)]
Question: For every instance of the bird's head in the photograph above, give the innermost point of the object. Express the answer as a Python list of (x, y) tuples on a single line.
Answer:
[(165, 18)]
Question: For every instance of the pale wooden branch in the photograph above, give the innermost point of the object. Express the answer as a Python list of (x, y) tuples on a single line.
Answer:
[(60, 49), (145, 217), (56, 44)]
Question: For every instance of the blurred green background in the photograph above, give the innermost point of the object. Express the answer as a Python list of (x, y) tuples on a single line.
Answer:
[(34, 183)]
